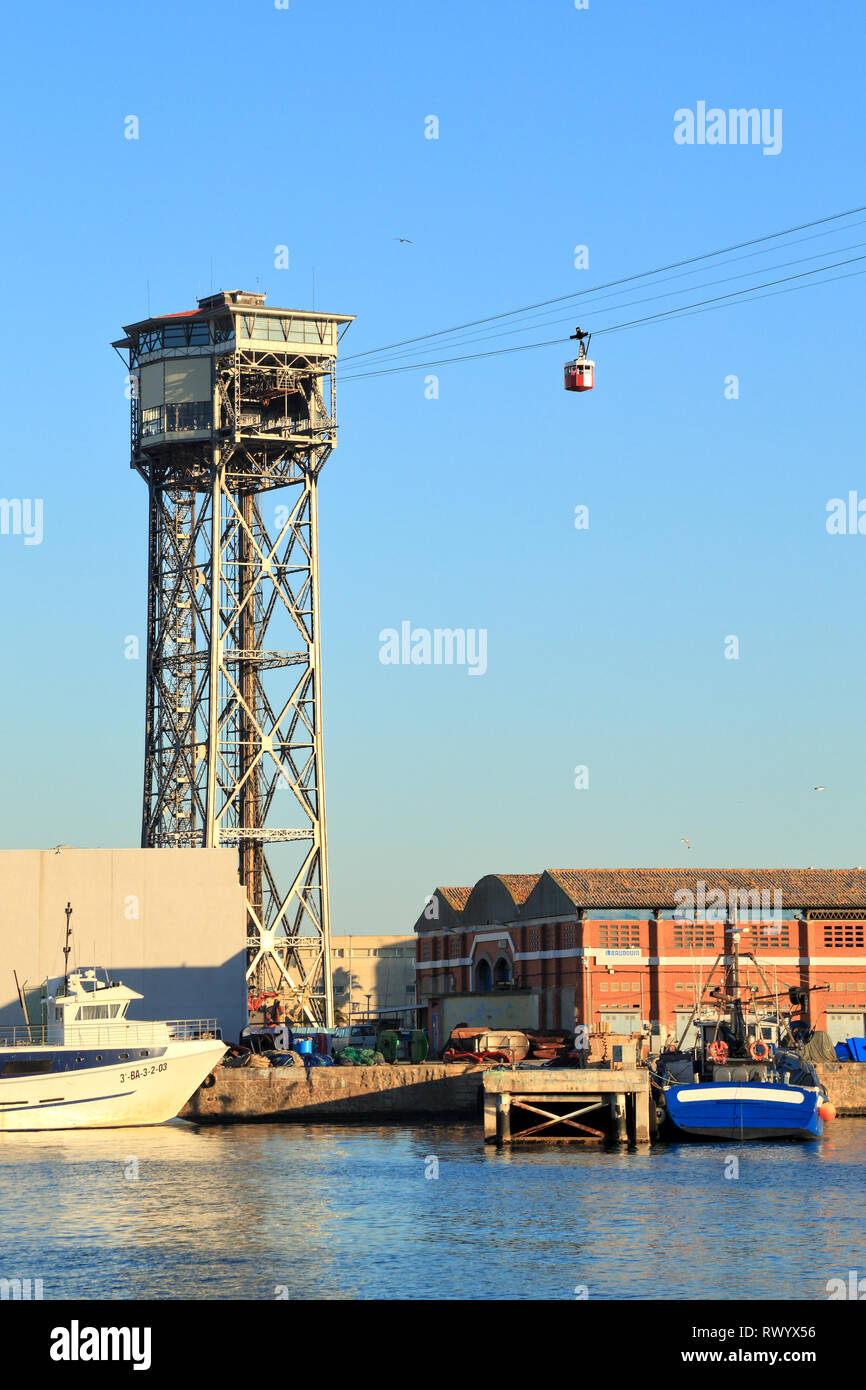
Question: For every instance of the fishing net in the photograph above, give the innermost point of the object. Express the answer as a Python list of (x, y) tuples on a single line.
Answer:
[(819, 1048)]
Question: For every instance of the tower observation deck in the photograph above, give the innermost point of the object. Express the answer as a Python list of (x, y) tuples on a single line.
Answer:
[(234, 412)]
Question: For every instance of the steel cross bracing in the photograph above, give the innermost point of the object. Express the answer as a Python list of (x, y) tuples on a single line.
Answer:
[(233, 752)]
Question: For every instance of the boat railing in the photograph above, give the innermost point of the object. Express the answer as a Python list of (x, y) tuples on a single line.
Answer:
[(193, 1029), (111, 1032)]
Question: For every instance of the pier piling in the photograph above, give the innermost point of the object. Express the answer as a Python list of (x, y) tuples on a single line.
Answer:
[(590, 1106)]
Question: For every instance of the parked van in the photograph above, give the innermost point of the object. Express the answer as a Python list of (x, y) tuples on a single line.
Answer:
[(355, 1035)]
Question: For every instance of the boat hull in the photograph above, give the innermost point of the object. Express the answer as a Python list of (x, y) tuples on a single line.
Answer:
[(113, 1094), (759, 1110)]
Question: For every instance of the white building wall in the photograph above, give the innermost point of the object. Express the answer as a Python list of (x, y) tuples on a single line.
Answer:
[(168, 923)]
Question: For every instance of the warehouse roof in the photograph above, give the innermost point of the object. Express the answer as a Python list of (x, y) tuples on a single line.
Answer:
[(532, 897), (455, 897), (657, 887), (519, 885), (498, 898)]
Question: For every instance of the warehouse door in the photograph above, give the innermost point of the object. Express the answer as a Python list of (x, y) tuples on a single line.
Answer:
[(621, 1020), (681, 1018), (844, 1023)]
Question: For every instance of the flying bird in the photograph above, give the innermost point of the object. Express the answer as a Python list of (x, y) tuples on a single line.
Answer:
[(405, 240), (685, 842), (817, 789)]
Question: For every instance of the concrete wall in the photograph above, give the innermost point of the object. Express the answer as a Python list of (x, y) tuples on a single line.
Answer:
[(846, 1086), (429, 1091), (168, 923), (381, 966), (496, 1009), (647, 965)]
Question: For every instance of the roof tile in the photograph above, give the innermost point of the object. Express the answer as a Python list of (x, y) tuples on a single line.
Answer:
[(655, 888), (455, 897)]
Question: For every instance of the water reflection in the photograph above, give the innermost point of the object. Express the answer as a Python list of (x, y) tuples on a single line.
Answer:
[(249, 1212)]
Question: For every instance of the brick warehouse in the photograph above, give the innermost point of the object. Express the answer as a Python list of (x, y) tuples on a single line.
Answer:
[(630, 947)]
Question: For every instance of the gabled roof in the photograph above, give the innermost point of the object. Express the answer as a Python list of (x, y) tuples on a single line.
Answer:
[(498, 898), (656, 888), (455, 897), (519, 885), (501, 898), (443, 910)]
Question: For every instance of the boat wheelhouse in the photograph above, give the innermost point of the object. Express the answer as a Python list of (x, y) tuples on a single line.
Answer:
[(84, 1064)]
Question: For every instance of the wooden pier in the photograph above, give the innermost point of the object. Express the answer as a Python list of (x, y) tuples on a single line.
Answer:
[(591, 1106)]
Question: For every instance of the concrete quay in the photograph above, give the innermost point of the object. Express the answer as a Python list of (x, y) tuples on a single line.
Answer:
[(845, 1083), (427, 1090), (436, 1090)]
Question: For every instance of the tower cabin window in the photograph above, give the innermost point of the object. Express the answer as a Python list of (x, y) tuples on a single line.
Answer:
[(273, 329), (175, 335)]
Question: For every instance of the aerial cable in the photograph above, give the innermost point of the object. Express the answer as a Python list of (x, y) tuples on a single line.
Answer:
[(682, 310), (648, 299), (733, 294), (611, 284), (590, 304), (849, 275)]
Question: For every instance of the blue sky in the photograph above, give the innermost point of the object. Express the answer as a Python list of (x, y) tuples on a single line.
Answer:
[(305, 127)]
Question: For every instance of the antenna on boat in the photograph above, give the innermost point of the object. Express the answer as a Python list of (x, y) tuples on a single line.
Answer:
[(66, 949), (22, 999), (735, 951)]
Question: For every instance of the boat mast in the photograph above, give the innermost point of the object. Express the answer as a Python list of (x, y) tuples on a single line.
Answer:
[(66, 950), (22, 999), (735, 954)]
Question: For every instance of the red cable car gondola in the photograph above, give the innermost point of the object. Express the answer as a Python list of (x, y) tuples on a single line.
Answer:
[(580, 374)]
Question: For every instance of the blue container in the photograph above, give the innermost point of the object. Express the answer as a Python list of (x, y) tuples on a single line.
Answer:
[(304, 1046)]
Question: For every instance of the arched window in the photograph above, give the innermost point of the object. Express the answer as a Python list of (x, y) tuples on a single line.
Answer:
[(482, 976), (502, 971)]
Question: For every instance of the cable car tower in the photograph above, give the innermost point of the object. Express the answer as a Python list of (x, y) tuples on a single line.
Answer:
[(234, 412)]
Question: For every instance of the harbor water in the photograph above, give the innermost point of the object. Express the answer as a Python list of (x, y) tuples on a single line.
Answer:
[(425, 1212)]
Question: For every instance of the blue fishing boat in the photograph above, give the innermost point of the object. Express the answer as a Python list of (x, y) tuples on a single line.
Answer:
[(745, 1076)]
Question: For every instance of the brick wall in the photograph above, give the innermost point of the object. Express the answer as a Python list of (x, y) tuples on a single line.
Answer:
[(682, 954)]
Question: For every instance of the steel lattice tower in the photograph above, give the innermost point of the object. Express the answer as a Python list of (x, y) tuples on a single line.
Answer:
[(231, 402)]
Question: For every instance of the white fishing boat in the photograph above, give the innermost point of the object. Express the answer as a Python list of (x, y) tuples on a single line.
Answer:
[(85, 1065)]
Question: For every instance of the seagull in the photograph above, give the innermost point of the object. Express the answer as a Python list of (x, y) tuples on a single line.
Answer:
[(405, 240), (685, 842)]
